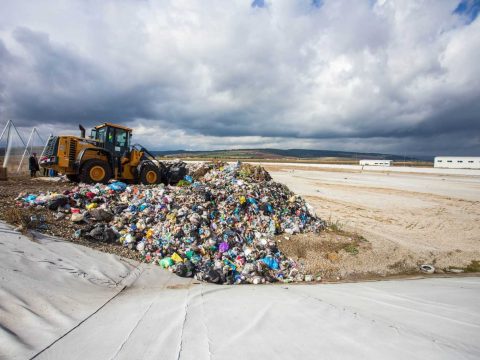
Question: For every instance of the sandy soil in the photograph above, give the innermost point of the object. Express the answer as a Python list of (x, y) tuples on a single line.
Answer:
[(373, 169), (408, 219)]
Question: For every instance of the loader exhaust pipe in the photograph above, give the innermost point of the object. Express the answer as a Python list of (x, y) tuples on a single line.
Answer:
[(82, 131)]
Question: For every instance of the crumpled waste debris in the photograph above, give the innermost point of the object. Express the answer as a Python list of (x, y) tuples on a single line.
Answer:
[(77, 217), (175, 171), (427, 268), (117, 186), (100, 214), (102, 232), (37, 222), (219, 226)]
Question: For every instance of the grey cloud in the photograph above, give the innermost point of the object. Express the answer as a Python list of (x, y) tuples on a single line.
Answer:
[(393, 73), (61, 86)]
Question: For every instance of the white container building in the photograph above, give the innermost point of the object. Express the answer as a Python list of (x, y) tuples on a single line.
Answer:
[(457, 162), (376, 162)]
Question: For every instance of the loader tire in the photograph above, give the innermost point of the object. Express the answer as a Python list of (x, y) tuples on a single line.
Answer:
[(150, 175), (95, 171)]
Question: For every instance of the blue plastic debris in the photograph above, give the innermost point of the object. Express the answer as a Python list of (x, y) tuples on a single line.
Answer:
[(117, 186), (270, 262)]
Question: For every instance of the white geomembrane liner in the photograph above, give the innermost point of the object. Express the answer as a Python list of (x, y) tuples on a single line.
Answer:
[(60, 300)]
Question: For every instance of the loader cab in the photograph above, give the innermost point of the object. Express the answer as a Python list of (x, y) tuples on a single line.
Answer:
[(114, 138)]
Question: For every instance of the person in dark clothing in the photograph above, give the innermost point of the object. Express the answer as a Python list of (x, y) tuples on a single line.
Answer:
[(33, 165)]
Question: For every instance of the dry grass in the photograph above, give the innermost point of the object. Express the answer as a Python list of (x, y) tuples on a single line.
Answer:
[(473, 267), (16, 216), (25, 220), (321, 254), (403, 267), (292, 169)]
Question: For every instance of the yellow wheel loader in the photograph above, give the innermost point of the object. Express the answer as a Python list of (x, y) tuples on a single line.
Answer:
[(105, 155)]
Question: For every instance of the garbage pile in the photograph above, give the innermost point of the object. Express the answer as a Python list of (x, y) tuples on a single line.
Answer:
[(218, 224), (175, 171)]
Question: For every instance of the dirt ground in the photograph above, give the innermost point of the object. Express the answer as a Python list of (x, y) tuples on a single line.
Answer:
[(42, 219), (406, 219)]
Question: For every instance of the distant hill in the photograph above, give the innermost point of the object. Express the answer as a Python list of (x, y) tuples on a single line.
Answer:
[(281, 154)]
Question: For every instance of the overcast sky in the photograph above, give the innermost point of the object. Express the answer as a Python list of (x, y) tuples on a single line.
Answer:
[(381, 76)]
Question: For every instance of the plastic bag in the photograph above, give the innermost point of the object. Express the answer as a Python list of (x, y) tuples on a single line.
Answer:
[(117, 186)]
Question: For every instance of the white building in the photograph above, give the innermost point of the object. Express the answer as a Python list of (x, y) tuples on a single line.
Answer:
[(457, 162), (376, 162)]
